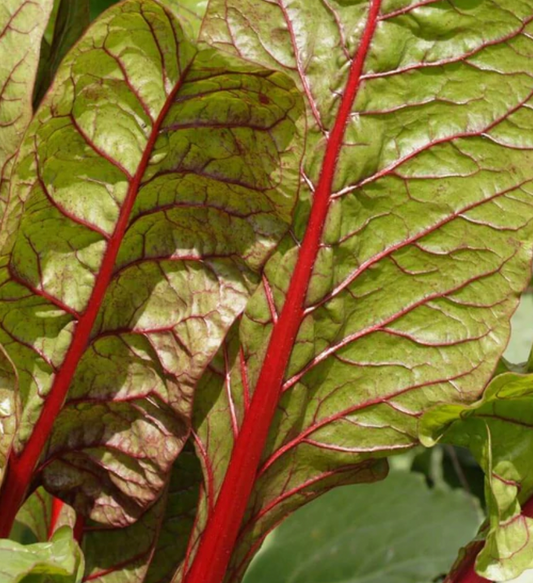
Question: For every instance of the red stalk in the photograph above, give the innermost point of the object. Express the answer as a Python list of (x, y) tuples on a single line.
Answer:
[(218, 539), (57, 506), (21, 466)]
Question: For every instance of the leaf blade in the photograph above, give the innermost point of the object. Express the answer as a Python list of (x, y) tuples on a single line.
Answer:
[(22, 26), (155, 161), (413, 201)]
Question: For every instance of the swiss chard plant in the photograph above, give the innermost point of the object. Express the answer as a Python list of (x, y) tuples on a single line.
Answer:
[(249, 250)]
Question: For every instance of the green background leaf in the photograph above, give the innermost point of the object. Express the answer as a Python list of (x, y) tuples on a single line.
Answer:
[(395, 531)]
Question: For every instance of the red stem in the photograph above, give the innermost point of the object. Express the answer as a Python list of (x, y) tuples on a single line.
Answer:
[(21, 466), (218, 539), (57, 506)]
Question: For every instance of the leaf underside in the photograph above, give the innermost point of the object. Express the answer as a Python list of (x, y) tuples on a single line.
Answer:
[(22, 25), (424, 252), (151, 186)]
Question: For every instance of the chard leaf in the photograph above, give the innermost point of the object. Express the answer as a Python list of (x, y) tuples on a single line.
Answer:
[(410, 247), (22, 25), (59, 560), (151, 186), (149, 550), (498, 429), (71, 19), (371, 534)]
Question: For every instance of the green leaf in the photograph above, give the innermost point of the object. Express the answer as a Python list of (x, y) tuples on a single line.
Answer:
[(153, 183), (416, 222), (59, 560), (71, 19), (22, 25), (398, 531), (498, 429), (149, 550)]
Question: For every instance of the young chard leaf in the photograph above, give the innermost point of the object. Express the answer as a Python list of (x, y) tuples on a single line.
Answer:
[(151, 186), (22, 25), (40, 516), (411, 245), (60, 559), (498, 429)]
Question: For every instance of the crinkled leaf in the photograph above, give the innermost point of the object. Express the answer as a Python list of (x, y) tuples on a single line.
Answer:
[(148, 550), (22, 25), (122, 554), (498, 429), (59, 560), (420, 235), (398, 531), (71, 19), (152, 185)]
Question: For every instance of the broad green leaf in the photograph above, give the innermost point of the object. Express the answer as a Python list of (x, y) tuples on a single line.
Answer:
[(71, 19), (398, 531), (498, 429), (22, 25), (59, 560), (153, 183), (416, 219)]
